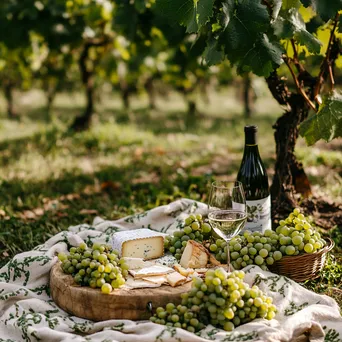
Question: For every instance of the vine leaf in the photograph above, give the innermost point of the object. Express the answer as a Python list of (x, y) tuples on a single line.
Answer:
[(262, 57), (190, 13), (327, 9), (290, 24), (326, 124), (244, 37), (211, 53)]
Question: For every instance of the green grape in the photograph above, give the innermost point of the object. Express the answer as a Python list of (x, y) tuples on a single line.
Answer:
[(252, 251), (268, 232), (237, 247), (269, 261), (258, 246), (213, 247), (263, 253), (187, 230), (290, 250), (188, 220), (234, 255), (178, 244), (206, 228), (308, 248), (100, 282), (268, 247), (216, 281), (245, 258), (259, 260), (106, 288), (62, 257)]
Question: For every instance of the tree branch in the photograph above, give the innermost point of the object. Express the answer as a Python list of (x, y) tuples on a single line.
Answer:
[(299, 88), (326, 63)]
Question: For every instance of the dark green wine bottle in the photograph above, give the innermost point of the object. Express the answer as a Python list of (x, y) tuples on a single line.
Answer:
[(253, 176)]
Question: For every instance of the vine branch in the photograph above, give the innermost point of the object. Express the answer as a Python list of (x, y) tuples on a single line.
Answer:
[(326, 63), (296, 62), (299, 88)]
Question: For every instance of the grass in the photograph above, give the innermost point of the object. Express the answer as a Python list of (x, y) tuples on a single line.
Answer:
[(51, 179)]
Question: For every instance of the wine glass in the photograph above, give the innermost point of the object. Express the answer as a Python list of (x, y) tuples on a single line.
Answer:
[(227, 210)]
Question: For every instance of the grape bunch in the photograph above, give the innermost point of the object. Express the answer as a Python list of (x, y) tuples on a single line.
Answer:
[(297, 231), (194, 229), (97, 267), (179, 316), (294, 235), (221, 299)]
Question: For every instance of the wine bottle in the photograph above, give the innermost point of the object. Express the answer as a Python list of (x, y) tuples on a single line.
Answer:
[(253, 176)]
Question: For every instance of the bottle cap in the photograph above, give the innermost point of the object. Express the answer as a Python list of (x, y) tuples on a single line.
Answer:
[(251, 135), (252, 128)]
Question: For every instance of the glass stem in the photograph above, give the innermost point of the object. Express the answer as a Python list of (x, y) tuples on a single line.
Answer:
[(228, 256)]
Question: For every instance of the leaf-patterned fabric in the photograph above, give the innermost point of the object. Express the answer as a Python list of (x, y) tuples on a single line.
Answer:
[(28, 313)]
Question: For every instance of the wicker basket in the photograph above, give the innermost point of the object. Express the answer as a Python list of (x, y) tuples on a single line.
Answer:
[(303, 267)]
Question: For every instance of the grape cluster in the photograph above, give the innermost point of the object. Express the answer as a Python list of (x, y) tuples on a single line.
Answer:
[(294, 235), (194, 229), (98, 267), (221, 299), (179, 316)]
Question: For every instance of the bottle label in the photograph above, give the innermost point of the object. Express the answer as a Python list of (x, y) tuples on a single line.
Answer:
[(259, 215)]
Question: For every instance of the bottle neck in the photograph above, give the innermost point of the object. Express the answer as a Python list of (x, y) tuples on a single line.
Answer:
[(251, 150)]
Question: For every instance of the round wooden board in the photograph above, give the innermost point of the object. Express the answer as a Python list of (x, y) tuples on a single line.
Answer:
[(91, 304)]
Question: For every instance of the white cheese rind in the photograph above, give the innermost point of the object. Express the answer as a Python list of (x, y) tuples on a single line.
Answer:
[(139, 243), (194, 255)]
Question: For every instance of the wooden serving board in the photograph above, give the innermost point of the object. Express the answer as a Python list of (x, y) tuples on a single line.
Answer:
[(89, 303)]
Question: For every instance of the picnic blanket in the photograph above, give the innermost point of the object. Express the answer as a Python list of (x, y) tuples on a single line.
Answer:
[(28, 313)]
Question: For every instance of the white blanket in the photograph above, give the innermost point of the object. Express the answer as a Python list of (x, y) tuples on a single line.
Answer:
[(27, 312)]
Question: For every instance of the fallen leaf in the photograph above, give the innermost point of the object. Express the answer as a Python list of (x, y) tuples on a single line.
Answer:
[(110, 185), (38, 211)]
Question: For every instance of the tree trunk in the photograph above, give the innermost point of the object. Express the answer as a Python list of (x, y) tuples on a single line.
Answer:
[(149, 86), (8, 90), (50, 96), (125, 93), (289, 176), (83, 122), (190, 119), (247, 96)]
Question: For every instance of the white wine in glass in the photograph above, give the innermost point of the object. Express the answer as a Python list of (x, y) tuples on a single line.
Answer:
[(227, 210)]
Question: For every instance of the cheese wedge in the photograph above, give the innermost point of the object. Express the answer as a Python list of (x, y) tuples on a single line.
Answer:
[(194, 255), (139, 243), (155, 270), (139, 283), (175, 279), (183, 271), (156, 279), (134, 263)]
